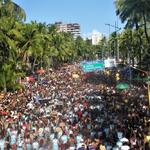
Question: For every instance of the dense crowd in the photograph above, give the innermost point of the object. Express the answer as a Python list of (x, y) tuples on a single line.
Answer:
[(59, 112)]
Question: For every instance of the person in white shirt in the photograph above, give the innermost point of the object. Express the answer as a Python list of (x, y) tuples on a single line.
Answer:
[(35, 144), (125, 147), (2, 143)]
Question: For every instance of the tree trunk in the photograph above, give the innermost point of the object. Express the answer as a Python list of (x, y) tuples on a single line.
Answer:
[(145, 30), (5, 86), (33, 66), (132, 61), (140, 44), (140, 49)]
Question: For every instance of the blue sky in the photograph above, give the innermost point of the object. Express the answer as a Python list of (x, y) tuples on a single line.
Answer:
[(92, 15)]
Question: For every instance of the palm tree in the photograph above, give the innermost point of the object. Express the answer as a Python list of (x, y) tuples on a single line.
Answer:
[(30, 44), (9, 76), (62, 43), (10, 36), (136, 14), (80, 47), (104, 47), (113, 44), (127, 42), (11, 16), (47, 33), (11, 9)]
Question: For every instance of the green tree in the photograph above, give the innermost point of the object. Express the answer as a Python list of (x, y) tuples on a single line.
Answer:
[(90, 50), (104, 47), (9, 77), (126, 46), (30, 44), (79, 47), (135, 14), (63, 44), (49, 51), (11, 9), (113, 44), (9, 72)]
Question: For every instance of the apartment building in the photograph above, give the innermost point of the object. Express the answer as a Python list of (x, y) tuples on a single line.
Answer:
[(96, 38), (73, 28)]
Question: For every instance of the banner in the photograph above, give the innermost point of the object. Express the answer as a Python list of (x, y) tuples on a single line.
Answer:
[(110, 63), (90, 66)]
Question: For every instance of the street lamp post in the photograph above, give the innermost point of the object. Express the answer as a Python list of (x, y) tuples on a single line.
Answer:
[(117, 29), (109, 35)]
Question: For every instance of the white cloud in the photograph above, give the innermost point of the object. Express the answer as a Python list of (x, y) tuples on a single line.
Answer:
[(96, 32)]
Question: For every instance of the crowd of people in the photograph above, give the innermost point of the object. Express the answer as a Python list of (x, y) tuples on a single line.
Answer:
[(59, 112)]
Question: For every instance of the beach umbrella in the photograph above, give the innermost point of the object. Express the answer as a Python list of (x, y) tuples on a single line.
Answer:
[(138, 78), (122, 86)]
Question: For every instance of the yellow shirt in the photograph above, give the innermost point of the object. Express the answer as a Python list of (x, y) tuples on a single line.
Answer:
[(102, 147)]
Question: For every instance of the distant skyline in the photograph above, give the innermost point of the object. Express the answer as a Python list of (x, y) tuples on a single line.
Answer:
[(92, 15)]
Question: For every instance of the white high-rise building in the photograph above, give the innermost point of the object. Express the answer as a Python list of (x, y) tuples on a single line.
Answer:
[(96, 37)]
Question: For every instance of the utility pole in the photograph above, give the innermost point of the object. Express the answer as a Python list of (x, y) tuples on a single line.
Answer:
[(109, 36), (116, 30)]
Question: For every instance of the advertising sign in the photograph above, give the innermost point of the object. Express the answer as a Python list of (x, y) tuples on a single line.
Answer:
[(110, 63), (90, 66)]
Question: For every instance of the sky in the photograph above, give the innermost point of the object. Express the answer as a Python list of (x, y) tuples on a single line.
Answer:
[(92, 15)]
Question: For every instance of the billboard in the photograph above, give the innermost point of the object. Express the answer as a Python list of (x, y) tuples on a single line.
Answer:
[(90, 66), (110, 63)]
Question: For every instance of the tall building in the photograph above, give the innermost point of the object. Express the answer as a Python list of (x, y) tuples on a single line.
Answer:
[(96, 38), (73, 28), (61, 27)]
